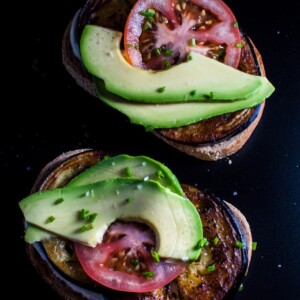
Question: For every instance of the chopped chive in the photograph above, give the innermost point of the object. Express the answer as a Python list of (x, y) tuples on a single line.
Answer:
[(192, 42), (50, 219), (128, 172), (166, 63), (189, 57), (239, 244), (168, 52), (203, 242), (84, 213), (59, 201), (211, 95), (148, 275), (241, 287), (150, 19), (211, 268), (235, 24), (254, 246), (160, 174), (157, 52), (129, 200), (147, 26), (86, 227), (152, 11), (161, 89), (239, 45), (92, 217), (155, 256), (216, 240), (193, 93), (149, 13), (107, 156)]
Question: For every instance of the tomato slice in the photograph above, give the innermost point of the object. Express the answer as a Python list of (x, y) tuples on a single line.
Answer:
[(162, 33), (123, 261)]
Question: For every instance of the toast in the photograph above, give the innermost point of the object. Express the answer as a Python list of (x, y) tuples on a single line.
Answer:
[(223, 225), (211, 139)]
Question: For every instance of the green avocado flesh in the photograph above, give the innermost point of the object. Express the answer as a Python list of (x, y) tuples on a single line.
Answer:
[(169, 115), (199, 79), (173, 218), (141, 167)]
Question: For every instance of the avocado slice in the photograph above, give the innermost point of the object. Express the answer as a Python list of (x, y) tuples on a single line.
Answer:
[(173, 218), (141, 167), (199, 79), (169, 115), (123, 165)]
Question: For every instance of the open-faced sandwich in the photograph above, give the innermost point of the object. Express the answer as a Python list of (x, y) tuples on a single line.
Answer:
[(123, 227), (182, 69)]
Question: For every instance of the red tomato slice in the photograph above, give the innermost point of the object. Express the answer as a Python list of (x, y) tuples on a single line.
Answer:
[(123, 261), (162, 33)]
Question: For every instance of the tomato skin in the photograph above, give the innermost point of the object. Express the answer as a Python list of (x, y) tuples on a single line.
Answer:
[(134, 25), (178, 33), (110, 263)]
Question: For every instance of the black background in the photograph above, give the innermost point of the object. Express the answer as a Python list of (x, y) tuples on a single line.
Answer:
[(45, 113)]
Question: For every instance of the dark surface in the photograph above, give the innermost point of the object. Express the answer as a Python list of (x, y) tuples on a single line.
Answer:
[(48, 114)]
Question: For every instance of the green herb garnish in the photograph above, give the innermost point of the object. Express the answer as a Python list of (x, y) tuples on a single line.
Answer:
[(239, 244), (235, 24), (86, 227), (239, 45), (161, 89), (50, 219), (168, 52), (155, 256), (193, 93), (160, 174), (166, 63), (216, 241), (148, 275), (147, 26), (92, 217), (84, 213), (59, 201), (128, 172), (203, 242), (192, 42), (211, 268), (254, 246), (157, 52)]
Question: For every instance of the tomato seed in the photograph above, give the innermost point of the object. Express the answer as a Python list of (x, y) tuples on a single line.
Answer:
[(178, 7), (183, 5)]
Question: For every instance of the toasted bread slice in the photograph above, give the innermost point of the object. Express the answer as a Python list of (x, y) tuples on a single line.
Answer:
[(190, 139), (58, 265)]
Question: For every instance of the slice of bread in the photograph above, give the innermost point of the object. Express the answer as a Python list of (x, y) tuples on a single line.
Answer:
[(64, 276)]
